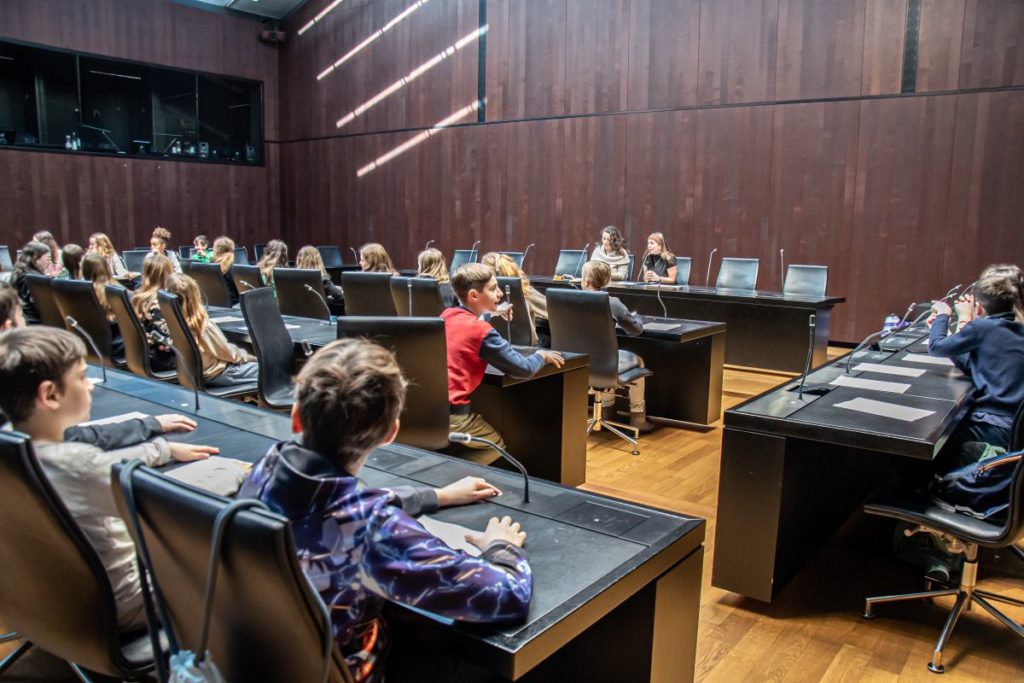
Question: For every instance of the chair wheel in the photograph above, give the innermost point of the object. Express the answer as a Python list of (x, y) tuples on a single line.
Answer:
[(868, 615), (636, 452), (936, 668)]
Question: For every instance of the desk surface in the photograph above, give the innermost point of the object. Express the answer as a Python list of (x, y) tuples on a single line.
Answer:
[(585, 549)]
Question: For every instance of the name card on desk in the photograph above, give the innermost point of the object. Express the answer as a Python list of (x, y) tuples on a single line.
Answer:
[(873, 384), (883, 409), (889, 369), (924, 358), (226, 319)]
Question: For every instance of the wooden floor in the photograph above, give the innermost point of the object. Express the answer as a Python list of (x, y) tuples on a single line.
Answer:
[(813, 631)]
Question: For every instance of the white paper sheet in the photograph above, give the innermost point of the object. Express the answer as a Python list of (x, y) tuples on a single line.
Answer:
[(215, 474), (874, 384), (660, 327), (889, 369), (94, 380), (904, 413), (452, 534), (924, 358), (227, 319), (291, 327), (114, 419)]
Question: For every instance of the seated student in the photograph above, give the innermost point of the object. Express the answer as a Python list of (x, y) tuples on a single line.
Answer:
[(56, 268), (274, 256), (95, 270), (612, 250), (224, 256), (10, 308), (156, 271), (158, 245), (430, 263), (473, 343), (373, 258), (71, 262), (201, 249), (361, 546), (536, 303), (34, 258), (46, 391), (100, 244), (224, 364), (596, 276), (309, 257), (660, 263)]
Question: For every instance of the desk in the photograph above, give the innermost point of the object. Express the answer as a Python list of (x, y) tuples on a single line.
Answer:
[(616, 585), (792, 471), (766, 329), (543, 419)]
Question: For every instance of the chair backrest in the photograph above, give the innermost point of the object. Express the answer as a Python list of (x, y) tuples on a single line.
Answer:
[(136, 348), (185, 252), (424, 292), (516, 256), (805, 280), (570, 262), (77, 298), (266, 623), (6, 262), (683, 264), (41, 289), (246, 277), (133, 259), (461, 257), (294, 299), (54, 590), (521, 326), (242, 256), (331, 256), (632, 263), (421, 350), (582, 322), (184, 341), (186, 266), (738, 273), (211, 282), (367, 293), (271, 341), (258, 248), (1013, 531)]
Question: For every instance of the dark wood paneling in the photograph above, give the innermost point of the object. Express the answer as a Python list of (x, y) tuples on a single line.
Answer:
[(663, 41), (737, 51), (993, 50), (885, 24), (596, 55), (594, 169), (535, 190), (821, 48), (938, 55)]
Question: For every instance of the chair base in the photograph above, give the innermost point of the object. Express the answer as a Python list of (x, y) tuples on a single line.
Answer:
[(10, 659), (966, 596), (597, 423)]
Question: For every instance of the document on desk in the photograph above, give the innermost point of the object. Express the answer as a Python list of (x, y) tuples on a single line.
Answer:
[(925, 358), (289, 326), (226, 319), (889, 369), (215, 474), (897, 412), (660, 327), (873, 384), (452, 534), (115, 419)]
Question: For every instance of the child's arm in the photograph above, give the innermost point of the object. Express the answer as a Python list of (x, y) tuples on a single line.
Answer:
[(220, 347), (118, 435), (941, 343), (501, 355), (631, 323)]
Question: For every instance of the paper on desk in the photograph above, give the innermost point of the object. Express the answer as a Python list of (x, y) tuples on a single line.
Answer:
[(227, 319), (925, 358), (215, 474), (115, 419), (291, 327), (897, 412), (452, 534), (95, 380), (876, 385), (889, 369), (660, 327)]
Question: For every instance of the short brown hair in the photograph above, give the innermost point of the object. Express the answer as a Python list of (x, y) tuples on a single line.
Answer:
[(9, 302), (348, 395), (598, 273), (30, 356), (469, 277)]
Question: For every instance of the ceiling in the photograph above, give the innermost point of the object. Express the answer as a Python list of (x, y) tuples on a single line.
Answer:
[(267, 9)]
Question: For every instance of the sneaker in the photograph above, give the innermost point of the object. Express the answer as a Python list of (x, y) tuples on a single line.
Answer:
[(639, 420)]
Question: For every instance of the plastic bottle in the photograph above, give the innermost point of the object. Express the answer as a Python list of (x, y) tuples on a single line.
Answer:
[(892, 321), (67, 143)]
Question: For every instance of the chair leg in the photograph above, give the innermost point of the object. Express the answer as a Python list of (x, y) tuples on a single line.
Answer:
[(935, 666), (4, 637), (869, 603), (622, 435), (82, 676), (1000, 598), (998, 614), (10, 659)]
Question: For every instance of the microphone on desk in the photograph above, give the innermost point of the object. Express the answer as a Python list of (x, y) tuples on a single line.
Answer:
[(166, 341), (952, 293), (782, 268), (642, 275), (664, 311), (525, 252), (246, 284), (807, 362), (508, 321), (583, 259), (463, 438), (849, 359), (472, 252), (707, 278), (924, 314), (307, 350), (429, 242), (409, 290), (320, 296), (92, 343), (355, 254)]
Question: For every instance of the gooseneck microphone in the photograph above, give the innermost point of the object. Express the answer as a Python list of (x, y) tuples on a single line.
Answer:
[(849, 359), (664, 311), (810, 352), (707, 278), (782, 269), (355, 254), (463, 438), (583, 259), (429, 242), (320, 296), (472, 252), (246, 284), (508, 320), (166, 341), (525, 252), (92, 343), (409, 292)]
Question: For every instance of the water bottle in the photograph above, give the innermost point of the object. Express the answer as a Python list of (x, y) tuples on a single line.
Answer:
[(67, 143), (892, 321)]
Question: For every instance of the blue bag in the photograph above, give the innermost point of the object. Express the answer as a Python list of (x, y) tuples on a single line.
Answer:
[(980, 489)]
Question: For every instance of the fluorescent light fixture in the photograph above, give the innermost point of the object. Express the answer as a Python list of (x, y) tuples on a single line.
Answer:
[(323, 13), (374, 36), (108, 73)]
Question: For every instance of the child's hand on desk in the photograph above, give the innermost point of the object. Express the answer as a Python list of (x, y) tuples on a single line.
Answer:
[(466, 490), (187, 452), (175, 423), (498, 530), (552, 357)]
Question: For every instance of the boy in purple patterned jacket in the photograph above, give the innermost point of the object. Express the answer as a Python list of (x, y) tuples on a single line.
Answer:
[(361, 546)]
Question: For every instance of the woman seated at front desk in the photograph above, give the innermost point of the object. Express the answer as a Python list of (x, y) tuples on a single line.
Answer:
[(660, 263)]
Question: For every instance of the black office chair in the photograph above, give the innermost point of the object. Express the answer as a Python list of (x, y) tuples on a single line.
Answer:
[(186, 266), (421, 351), (683, 264), (6, 262), (266, 621), (461, 257), (632, 263), (331, 256), (134, 258), (422, 292), (521, 329), (274, 348), (136, 347), (258, 248), (582, 322), (242, 256), (55, 592), (77, 299), (516, 256), (805, 281), (185, 253), (211, 282), (966, 534), (737, 273), (40, 288), (246, 277), (368, 294), (570, 262), (294, 296), (190, 363)]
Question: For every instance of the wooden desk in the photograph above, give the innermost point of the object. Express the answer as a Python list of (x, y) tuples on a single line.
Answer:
[(792, 471), (616, 586), (543, 419)]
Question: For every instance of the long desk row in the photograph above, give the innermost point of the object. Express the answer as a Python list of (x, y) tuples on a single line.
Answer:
[(616, 585), (794, 469)]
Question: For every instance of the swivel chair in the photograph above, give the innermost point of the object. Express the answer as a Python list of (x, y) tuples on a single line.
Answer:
[(737, 273), (516, 256), (683, 264), (134, 258), (294, 297), (570, 262), (40, 288), (805, 281), (77, 300), (423, 292), (521, 330), (211, 282), (461, 257), (258, 248), (582, 322), (368, 294), (136, 346), (965, 534), (274, 348), (246, 277), (55, 592), (242, 256), (6, 262), (331, 256)]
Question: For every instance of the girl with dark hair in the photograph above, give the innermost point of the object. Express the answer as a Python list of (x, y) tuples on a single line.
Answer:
[(158, 245), (36, 258), (612, 250)]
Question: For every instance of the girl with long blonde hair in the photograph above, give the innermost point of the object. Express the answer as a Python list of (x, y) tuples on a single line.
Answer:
[(224, 256), (660, 263), (430, 263), (100, 244), (156, 270), (275, 256), (310, 259)]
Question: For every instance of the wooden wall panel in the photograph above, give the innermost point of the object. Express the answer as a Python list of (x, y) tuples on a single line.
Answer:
[(885, 23), (737, 51), (535, 189), (938, 55), (596, 55), (993, 50), (531, 37), (663, 40), (820, 51), (594, 173)]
